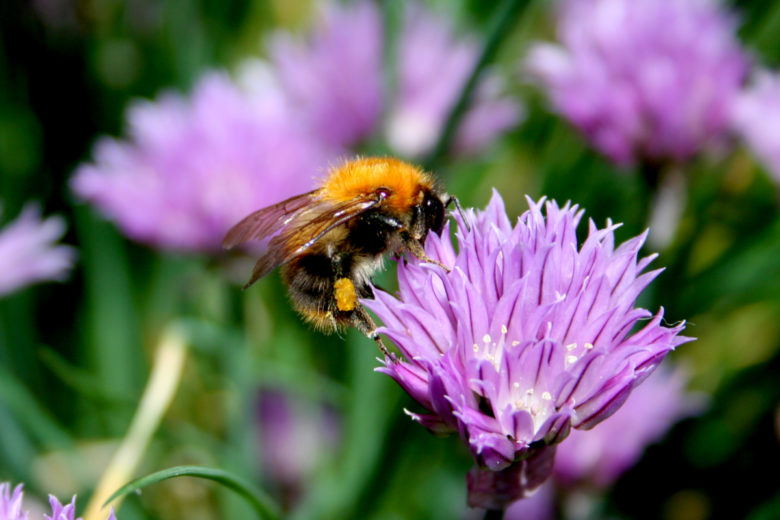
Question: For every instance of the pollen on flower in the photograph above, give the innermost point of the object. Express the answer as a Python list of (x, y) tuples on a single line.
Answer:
[(486, 338)]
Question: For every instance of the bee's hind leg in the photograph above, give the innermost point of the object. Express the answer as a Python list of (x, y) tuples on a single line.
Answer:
[(365, 324)]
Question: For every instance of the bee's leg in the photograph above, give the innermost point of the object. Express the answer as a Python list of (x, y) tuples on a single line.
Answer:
[(345, 296), (416, 249), (365, 324)]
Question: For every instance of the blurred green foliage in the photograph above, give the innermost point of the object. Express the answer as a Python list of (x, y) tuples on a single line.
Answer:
[(74, 357)]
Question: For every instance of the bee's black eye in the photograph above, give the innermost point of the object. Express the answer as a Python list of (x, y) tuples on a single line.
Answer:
[(434, 213)]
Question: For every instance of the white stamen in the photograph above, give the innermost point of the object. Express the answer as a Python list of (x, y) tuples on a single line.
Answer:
[(476, 347), (486, 338), (571, 346), (515, 343), (547, 396), (571, 359), (588, 346), (504, 330)]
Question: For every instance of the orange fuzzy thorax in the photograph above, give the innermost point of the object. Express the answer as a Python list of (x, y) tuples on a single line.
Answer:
[(366, 175)]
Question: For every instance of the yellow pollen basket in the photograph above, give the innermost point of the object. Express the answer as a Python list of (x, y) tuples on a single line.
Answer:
[(346, 297)]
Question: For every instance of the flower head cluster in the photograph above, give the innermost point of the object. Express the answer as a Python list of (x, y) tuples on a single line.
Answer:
[(643, 79), (28, 252), (756, 118), (335, 76), (11, 506), (192, 168), (528, 336)]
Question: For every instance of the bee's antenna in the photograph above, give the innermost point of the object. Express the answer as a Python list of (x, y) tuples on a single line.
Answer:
[(456, 203)]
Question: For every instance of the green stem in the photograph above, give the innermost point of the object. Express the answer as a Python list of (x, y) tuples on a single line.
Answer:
[(498, 29)]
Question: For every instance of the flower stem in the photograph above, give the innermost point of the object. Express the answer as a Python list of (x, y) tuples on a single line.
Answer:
[(163, 381), (498, 29)]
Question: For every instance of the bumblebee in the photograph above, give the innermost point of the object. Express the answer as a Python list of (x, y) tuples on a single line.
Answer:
[(330, 241)]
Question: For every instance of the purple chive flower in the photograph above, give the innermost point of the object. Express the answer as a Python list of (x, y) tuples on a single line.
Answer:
[(11, 506), (528, 336), (28, 251), (335, 79), (643, 79), (193, 167), (433, 66), (756, 118)]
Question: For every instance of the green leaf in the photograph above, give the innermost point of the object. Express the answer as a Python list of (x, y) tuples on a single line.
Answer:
[(262, 504)]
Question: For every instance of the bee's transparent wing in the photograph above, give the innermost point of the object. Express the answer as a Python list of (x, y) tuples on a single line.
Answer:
[(268, 221), (299, 230)]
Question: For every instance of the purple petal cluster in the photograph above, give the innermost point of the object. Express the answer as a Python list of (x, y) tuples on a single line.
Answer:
[(29, 253), (756, 118), (11, 506), (193, 167), (643, 79), (530, 334), (335, 77)]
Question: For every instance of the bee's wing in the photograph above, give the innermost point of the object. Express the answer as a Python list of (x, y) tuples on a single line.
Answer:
[(305, 227), (268, 221)]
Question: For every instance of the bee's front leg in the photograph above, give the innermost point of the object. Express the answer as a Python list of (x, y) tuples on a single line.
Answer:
[(416, 249)]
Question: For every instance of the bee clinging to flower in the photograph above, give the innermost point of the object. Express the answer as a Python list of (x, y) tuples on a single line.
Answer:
[(330, 241)]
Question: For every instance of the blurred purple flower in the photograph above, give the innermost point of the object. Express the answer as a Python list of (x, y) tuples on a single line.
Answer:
[(191, 168), (643, 79), (335, 76), (434, 66), (28, 252), (11, 506), (527, 337), (756, 118), (336, 79), (295, 436)]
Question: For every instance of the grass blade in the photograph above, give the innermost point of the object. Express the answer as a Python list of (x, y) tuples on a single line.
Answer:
[(262, 504)]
